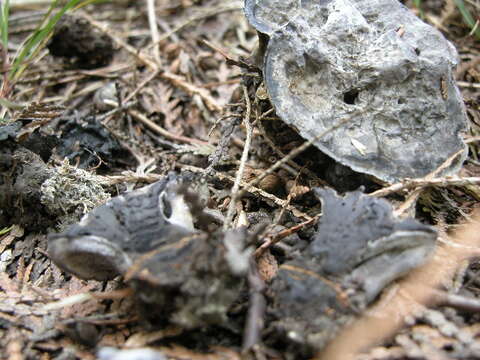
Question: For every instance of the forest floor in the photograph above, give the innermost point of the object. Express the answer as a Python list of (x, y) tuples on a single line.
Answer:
[(164, 98)]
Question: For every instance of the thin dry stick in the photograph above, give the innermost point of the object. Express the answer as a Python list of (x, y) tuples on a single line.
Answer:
[(279, 217), (230, 60), (415, 183), (131, 177), (472, 139), (152, 22), (280, 153), (87, 296), (241, 168), (159, 130), (457, 301), (140, 86), (194, 90), (412, 198), (283, 234), (256, 309)]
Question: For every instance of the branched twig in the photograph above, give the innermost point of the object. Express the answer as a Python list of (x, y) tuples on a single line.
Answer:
[(283, 234), (241, 168), (412, 198), (409, 184)]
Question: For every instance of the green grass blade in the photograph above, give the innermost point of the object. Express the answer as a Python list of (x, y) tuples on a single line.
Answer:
[(89, 2), (467, 16), (40, 36), (418, 5), (4, 14), (5, 230)]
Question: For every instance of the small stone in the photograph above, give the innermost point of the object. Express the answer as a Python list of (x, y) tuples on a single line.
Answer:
[(79, 44)]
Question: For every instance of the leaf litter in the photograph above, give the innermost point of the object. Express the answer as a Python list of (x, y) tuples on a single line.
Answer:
[(47, 313)]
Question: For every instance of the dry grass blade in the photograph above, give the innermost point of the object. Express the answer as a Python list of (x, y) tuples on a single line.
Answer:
[(248, 140)]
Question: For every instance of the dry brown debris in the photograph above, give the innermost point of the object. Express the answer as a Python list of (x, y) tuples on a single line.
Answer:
[(171, 90)]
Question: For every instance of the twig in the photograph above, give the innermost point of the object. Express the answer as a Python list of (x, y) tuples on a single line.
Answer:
[(159, 130), (256, 309), (113, 294), (110, 322), (152, 22), (409, 184), (287, 202), (425, 181), (283, 234), (87, 296), (280, 153), (241, 168), (204, 15), (465, 84), (230, 60), (192, 89), (412, 198), (472, 139), (68, 301), (140, 86), (456, 301)]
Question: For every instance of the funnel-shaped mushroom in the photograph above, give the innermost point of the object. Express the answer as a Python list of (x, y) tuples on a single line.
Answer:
[(374, 60)]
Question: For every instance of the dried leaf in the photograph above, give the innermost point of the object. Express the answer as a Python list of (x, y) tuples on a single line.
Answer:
[(160, 100)]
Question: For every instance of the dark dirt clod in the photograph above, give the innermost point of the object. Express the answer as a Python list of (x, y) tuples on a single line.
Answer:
[(190, 279), (22, 172), (79, 44), (87, 144)]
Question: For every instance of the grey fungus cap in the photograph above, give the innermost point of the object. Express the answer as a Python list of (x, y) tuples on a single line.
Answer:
[(374, 61)]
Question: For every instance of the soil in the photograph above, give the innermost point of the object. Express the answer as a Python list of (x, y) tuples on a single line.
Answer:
[(116, 104)]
